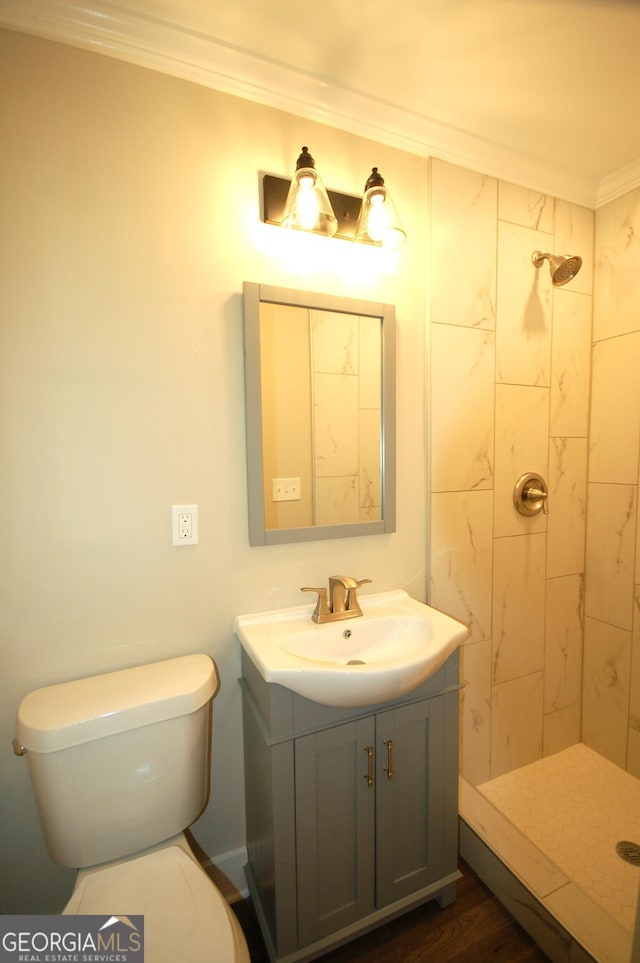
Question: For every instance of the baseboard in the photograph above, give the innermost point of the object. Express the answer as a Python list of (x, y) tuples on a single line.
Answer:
[(227, 872)]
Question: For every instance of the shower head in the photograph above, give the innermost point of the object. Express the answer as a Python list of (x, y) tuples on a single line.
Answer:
[(563, 268)]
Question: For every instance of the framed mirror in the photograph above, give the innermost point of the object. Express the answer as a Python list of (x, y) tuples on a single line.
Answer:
[(320, 410)]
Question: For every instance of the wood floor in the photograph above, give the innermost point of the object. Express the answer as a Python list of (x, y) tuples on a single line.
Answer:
[(474, 929)]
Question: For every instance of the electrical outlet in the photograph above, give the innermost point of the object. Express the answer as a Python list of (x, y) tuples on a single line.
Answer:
[(184, 524), (286, 489)]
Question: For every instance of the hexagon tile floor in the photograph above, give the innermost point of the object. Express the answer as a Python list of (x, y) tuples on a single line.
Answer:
[(575, 806)]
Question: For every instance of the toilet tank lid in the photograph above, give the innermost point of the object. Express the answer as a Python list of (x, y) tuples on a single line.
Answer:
[(70, 713)]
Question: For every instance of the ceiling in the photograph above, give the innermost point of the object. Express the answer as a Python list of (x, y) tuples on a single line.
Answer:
[(543, 92)]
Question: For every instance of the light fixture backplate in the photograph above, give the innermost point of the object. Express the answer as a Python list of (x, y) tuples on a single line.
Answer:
[(346, 207)]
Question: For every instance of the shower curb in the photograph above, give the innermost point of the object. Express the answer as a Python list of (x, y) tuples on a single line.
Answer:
[(543, 928)]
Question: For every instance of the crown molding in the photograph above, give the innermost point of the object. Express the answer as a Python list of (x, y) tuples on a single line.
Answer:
[(149, 42), (620, 182)]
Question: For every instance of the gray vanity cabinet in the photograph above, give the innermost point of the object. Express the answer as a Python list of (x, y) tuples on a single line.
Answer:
[(351, 814), (410, 807), (368, 832), (335, 829)]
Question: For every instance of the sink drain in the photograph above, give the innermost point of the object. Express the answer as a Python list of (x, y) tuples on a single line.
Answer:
[(356, 662), (630, 852)]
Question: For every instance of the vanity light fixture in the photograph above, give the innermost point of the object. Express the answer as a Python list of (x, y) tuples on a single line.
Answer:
[(305, 205), (378, 222), (308, 207)]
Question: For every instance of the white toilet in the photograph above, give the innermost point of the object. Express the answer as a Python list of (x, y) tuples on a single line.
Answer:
[(120, 767)]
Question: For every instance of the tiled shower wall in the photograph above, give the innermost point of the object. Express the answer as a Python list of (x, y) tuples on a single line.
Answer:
[(346, 392), (611, 711), (509, 370)]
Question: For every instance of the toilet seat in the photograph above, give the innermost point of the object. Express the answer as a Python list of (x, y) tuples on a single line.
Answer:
[(185, 915)]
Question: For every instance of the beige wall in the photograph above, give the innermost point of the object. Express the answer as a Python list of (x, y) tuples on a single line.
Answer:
[(611, 720), (509, 394), (129, 213), (286, 412)]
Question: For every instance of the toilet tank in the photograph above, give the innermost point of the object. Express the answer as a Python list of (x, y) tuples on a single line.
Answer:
[(119, 761)]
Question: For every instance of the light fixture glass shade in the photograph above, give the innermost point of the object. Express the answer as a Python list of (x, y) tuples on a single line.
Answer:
[(379, 223), (308, 207)]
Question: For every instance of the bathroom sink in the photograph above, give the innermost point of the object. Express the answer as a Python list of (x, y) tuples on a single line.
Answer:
[(395, 646)]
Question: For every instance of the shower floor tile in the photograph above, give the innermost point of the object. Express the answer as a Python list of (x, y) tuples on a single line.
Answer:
[(574, 807)]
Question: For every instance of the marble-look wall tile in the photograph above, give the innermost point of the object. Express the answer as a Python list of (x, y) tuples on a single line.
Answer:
[(518, 606), (611, 537), (574, 231), (637, 565), (611, 672), (633, 752), (463, 219), (563, 642), (570, 363), (370, 489), (523, 325), (461, 557), (369, 367), (510, 380), (334, 342), (337, 501), (616, 292), (462, 408), (567, 518), (516, 723), (475, 711), (522, 445), (561, 729), (335, 424), (525, 207), (633, 749), (607, 659), (615, 410)]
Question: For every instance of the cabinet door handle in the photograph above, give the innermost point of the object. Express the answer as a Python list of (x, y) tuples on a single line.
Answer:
[(370, 764), (389, 766)]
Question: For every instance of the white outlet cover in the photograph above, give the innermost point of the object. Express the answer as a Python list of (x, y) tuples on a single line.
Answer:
[(180, 525)]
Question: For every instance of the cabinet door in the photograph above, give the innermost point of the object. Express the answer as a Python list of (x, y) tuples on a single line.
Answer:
[(410, 753), (335, 828)]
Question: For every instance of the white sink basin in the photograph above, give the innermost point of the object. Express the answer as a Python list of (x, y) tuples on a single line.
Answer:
[(395, 646)]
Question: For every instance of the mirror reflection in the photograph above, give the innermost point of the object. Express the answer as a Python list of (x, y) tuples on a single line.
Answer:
[(319, 379), (321, 416)]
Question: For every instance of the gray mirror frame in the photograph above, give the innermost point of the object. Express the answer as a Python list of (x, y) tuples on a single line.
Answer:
[(255, 294)]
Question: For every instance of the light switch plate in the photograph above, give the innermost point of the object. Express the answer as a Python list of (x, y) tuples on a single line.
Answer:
[(286, 489)]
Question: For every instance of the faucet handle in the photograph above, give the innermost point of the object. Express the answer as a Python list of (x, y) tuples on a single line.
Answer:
[(321, 610), (352, 598)]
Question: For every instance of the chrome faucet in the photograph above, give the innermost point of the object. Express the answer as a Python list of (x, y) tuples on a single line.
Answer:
[(343, 600)]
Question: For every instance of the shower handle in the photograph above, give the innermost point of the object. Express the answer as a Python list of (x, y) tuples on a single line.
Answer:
[(530, 495)]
